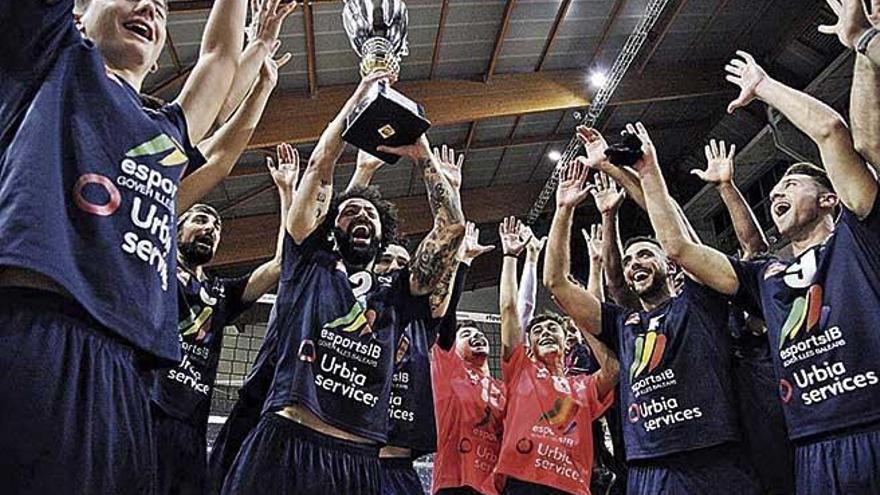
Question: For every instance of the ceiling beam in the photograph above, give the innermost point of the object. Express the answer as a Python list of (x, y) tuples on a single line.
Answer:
[(294, 118), (438, 38), (499, 39), (551, 36), (311, 64), (251, 239), (664, 26), (606, 29)]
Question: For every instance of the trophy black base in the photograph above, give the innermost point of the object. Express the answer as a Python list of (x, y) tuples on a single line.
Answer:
[(388, 118)]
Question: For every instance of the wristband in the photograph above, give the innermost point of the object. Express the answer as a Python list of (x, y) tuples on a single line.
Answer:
[(865, 40), (511, 255)]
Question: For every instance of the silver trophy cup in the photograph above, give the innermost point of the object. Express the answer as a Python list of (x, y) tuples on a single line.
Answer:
[(377, 32)]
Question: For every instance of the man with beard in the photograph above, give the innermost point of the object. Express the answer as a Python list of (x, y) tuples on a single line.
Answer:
[(680, 425), (338, 324), (821, 307), (181, 396), (87, 244)]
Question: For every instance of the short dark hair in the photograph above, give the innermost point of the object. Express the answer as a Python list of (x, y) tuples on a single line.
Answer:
[(200, 208), (641, 238), (387, 213), (816, 173), (546, 316), (466, 323)]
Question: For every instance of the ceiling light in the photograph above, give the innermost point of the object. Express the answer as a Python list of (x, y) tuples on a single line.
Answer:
[(554, 155), (598, 79)]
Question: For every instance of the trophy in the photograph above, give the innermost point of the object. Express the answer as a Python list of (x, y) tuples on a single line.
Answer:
[(377, 31)]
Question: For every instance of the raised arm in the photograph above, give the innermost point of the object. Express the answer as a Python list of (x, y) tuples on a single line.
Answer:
[(206, 88), (442, 175), (223, 149), (594, 241), (609, 367), (579, 304), (609, 199), (31, 30), (595, 145), (470, 249), (266, 275), (316, 186), (854, 25), (267, 17), (720, 173), (707, 265), (854, 182), (856, 30), (366, 168), (512, 244), (528, 284)]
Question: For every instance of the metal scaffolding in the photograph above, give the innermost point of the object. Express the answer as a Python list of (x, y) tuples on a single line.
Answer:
[(633, 44)]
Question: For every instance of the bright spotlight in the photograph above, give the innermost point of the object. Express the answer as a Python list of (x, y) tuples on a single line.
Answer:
[(598, 79), (554, 155)]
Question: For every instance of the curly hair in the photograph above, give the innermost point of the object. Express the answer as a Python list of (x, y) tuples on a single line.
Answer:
[(387, 213)]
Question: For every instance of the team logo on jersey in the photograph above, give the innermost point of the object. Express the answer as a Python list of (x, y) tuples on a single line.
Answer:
[(649, 349), (163, 144), (807, 313), (198, 322), (359, 319), (561, 415)]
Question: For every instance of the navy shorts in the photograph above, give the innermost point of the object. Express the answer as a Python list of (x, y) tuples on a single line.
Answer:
[(282, 457), (242, 420), (765, 437), (180, 455), (718, 470), (74, 408), (843, 465), (399, 477)]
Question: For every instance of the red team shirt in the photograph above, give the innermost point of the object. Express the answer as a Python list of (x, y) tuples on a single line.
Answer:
[(469, 407), (548, 438)]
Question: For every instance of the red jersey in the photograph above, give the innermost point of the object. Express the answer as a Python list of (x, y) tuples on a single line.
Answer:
[(548, 438), (469, 407)]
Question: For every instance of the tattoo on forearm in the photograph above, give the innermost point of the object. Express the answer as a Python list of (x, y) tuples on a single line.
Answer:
[(441, 292), (434, 257), (441, 198)]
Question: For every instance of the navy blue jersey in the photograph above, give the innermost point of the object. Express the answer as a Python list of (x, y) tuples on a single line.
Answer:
[(88, 177), (675, 373), (205, 308), (821, 309), (336, 339), (412, 399)]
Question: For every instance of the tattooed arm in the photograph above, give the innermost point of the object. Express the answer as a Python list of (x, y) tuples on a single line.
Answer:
[(442, 175), (316, 185), (442, 298)]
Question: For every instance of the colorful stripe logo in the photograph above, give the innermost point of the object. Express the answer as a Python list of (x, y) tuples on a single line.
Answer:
[(161, 144), (806, 313), (648, 353), (563, 411)]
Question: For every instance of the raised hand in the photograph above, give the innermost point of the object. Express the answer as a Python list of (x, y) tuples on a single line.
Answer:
[(595, 145), (534, 246), (449, 166), (368, 162), (512, 240), (287, 172), (852, 21), (471, 247), (649, 159), (421, 150), (607, 194), (720, 163), (593, 237), (573, 188), (267, 17), (271, 65), (748, 75)]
